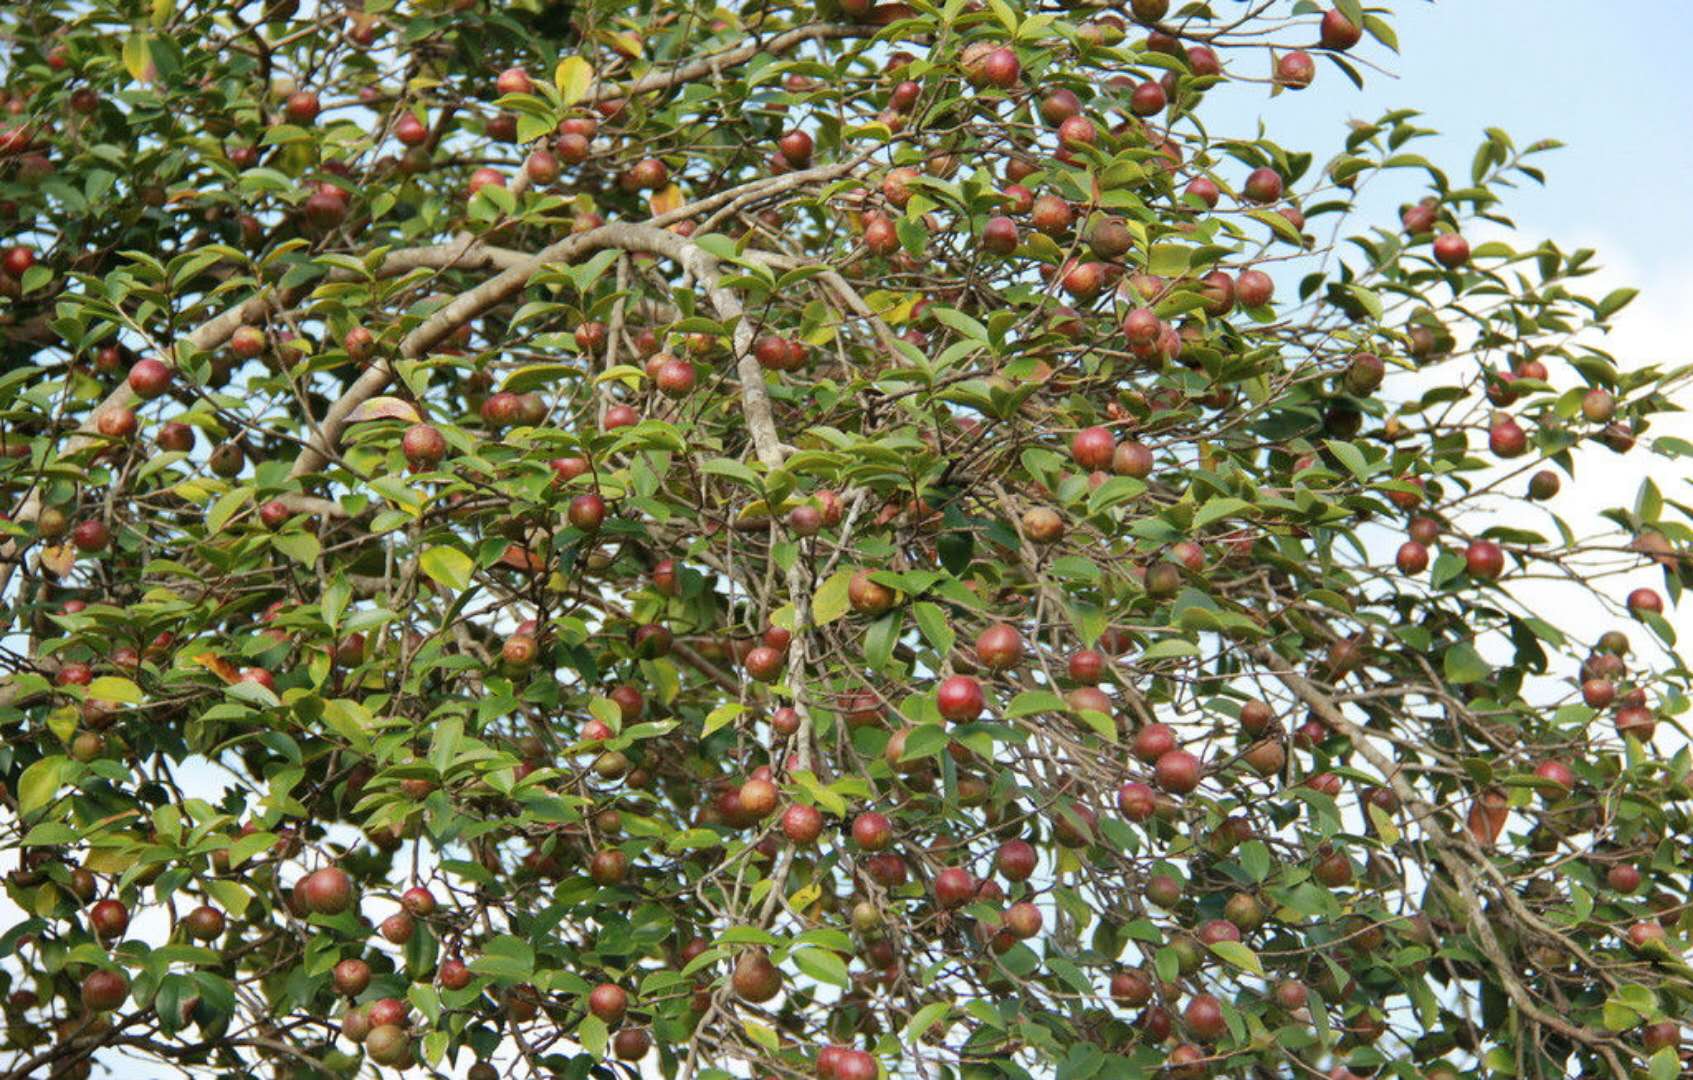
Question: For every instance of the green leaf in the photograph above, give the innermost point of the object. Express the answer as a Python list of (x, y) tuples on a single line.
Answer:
[(1463, 664), (1615, 301), (1239, 955), (233, 896), (926, 1017), (505, 957), (1350, 457), (591, 1033), (762, 1034), (1367, 298), (1385, 828), (722, 716), (448, 566), (302, 547), (226, 506), (822, 965), (39, 783), (1170, 648), (932, 622)]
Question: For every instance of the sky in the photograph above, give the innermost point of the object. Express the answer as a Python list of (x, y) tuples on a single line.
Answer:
[(1611, 88)]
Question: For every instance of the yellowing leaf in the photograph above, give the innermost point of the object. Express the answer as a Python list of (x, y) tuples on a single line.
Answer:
[(114, 688), (447, 566), (384, 408), (831, 601), (573, 77), (663, 202), (1238, 955), (58, 559), (722, 715), (138, 57)]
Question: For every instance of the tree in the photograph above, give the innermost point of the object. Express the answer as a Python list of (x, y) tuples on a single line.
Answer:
[(780, 541)]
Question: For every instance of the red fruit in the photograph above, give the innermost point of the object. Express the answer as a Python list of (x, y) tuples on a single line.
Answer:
[(872, 831), (1136, 801), (1094, 447), (1000, 68), (541, 166), (802, 824), (619, 416), (1295, 70), (1338, 32), (91, 536), (149, 378), (351, 977), (1153, 741), (1205, 190), (1016, 860), (1130, 988), (1177, 771), (1203, 60), (1000, 236), (1024, 920), (587, 511), (1659, 1036), (631, 1044), (423, 446), (301, 107), (328, 891), (397, 928), (1451, 250), (1412, 558), (115, 422), (608, 1002), (1148, 99), (1051, 215), (514, 81), (1484, 559), (1141, 327), (17, 260), (795, 147), (108, 919), (386, 1011), (1623, 877), (274, 514), (954, 886), (410, 130), (1642, 934), (1506, 438), (1645, 600), (456, 974), (1263, 185), (960, 699), (1214, 931), (1254, 288), (999, 647), (1598, 693), (1557, 773), (486, 176), (1204, 1017), (855, 1065), (103, 990)]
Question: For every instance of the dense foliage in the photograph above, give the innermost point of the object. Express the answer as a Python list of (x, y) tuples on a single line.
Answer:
[(787, 541)]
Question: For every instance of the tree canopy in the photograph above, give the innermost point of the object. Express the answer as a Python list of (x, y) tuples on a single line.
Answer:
[(568, 538)]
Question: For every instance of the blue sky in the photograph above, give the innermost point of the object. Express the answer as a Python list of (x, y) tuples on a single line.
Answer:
[(1607, 80)]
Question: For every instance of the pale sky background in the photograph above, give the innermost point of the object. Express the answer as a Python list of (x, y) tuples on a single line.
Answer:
[(1608, 80)]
